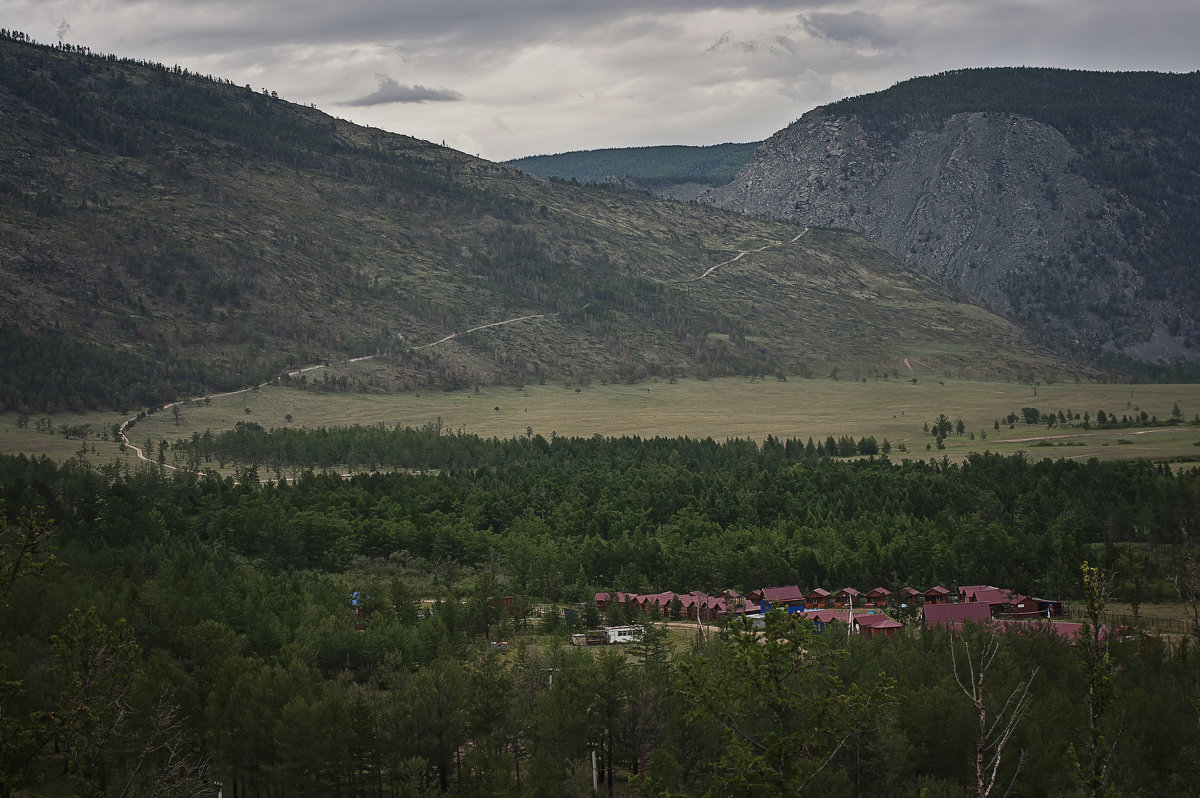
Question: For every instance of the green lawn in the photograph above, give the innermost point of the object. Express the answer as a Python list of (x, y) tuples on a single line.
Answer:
[(720, 408)]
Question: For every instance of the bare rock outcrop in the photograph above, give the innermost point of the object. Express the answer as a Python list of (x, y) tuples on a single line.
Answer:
[(991, 203)]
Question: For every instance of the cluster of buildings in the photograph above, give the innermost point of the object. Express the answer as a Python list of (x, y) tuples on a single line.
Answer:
[(865, 611)]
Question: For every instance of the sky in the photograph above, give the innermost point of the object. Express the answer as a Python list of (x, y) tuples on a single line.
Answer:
[(507, 78)]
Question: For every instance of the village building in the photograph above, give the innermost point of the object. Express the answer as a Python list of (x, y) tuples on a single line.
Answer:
[(953, 615), (788, 598), (846, 598), (937, 595), (818, 599), (878, 625), (877, 598)]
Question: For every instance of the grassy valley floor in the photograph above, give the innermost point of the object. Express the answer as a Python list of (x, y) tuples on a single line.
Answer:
[(721, 408)]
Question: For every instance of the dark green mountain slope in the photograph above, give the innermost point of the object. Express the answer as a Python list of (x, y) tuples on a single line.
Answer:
[(164, 234), (1066, 198), (675, 171)]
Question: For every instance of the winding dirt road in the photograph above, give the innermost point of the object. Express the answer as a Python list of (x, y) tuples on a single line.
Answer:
[(734, 259), (142, 455)]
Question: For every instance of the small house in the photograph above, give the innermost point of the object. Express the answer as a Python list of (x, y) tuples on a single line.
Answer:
[(846, 598), (937, 595), (877, 598), (822, 618), (818, 599), (993, 597), (878, 625), (967, 592), (787, 598), (1018, 606)]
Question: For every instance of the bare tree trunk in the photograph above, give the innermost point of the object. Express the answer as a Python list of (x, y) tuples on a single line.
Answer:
[(995, 733)]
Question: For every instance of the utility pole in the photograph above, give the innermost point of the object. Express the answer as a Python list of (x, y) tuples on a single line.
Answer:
[(595, 782)]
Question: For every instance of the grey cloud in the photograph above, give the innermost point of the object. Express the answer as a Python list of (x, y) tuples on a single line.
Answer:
[(392, 91), (854, 27), (452, 23), (782, 45), (719, 43)]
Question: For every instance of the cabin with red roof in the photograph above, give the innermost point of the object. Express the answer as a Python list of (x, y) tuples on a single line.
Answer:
[(878, 598), (822, 618), (788, 598), (701, 606), (876, 626), (937, 595), (1018, 606), (845, 598), (818, 599), (967, 592), (785, 598)]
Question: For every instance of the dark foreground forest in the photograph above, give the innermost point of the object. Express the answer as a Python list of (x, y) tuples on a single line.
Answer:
[(165, 633)]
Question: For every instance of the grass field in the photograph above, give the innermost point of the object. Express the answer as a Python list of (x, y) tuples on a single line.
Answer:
[(722, 408)]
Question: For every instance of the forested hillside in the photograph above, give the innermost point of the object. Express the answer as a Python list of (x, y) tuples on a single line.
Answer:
[(664, 171), (1065, 198), (164, 234), (166, 632)]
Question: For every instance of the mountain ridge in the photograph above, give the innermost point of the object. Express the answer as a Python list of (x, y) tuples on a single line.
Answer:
[(669, 171), (1060, 198), (166, 235)]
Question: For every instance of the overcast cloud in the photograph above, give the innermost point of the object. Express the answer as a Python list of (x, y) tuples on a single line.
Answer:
[(523, 77), (390, 91)]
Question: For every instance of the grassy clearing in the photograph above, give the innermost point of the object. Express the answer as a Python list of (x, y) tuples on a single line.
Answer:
[(722, 408)]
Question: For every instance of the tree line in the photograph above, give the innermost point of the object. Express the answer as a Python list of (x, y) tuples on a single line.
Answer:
[(159, 639)]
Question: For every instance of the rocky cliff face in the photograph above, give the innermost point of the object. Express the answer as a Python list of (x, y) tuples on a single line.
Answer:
[(991, 203)]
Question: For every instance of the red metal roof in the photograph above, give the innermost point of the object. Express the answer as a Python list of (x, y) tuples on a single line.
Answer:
[(1071, 631), (876, 622), (819, 592), (848, 591), (824, 616), (880, 591), (953, 615), (989, 596), (937, 590), (788, 593)]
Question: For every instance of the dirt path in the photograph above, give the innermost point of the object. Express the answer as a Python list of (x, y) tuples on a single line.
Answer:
[(142, 455), (1090, 434), (734, 259), (480, 327)]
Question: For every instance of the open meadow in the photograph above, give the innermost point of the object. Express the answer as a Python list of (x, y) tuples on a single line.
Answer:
[(897, 410)]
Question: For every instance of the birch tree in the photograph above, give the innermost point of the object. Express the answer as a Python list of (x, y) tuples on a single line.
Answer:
[(971, 668)]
